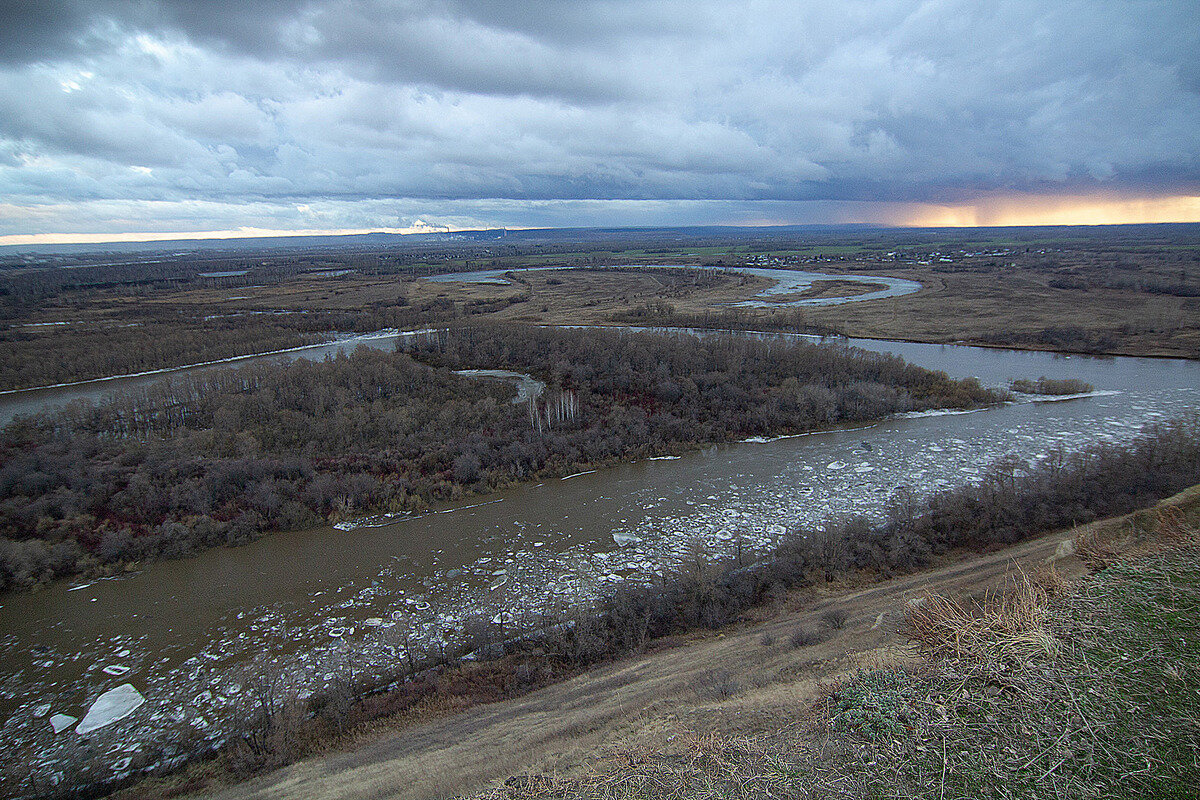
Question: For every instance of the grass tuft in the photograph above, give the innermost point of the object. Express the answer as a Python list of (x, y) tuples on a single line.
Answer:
[(1007, 624)]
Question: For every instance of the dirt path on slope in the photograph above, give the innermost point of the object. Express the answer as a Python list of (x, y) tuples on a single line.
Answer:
[(562, 726)]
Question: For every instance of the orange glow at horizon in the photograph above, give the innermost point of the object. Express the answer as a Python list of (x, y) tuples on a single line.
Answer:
[(1026, 211), (1015, 211)]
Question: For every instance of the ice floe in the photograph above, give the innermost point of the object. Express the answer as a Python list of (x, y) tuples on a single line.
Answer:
[(113, 705), (938, 412), (1054, 398), (60, 722)]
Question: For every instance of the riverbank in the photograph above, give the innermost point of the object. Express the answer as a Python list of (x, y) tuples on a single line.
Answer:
[(717, 594), (1067, 676), (712, 694), (833, 326)]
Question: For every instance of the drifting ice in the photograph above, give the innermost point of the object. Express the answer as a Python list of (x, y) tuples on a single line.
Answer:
[(60, 722), (113, 705)]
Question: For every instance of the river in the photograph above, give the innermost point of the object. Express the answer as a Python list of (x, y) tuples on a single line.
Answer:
[(182, 632)]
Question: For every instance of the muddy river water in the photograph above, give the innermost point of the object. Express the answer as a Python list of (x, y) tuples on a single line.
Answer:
[(321, 600)]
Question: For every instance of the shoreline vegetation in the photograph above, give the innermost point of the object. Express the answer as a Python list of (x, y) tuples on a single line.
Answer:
[(1011, 504), (220, 457)]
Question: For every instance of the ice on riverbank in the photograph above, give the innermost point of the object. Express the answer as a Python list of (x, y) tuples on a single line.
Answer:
[(938, 412), (1055, 398)]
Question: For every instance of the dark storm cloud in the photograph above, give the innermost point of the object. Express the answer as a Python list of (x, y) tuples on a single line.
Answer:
[(294, 101), (505, 48), (39, 30), (48, 29)]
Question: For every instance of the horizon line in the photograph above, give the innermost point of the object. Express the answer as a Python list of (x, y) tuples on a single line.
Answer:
[(241, 234)]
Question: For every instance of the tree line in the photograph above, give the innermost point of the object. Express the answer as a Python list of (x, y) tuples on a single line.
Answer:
[(154, 336)]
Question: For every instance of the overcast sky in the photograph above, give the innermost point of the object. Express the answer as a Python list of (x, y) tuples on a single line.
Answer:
[(181, 115)]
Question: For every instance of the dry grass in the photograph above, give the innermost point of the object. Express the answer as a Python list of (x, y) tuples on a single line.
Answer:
[(1173, 527), (698, 766), (1093, 550), (1009, 623)]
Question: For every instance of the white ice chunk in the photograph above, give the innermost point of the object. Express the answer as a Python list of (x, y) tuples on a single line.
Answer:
[(60, 722), (42, 710), (113, 705)]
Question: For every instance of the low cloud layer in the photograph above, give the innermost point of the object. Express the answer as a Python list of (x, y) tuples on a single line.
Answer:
[(177, 115)]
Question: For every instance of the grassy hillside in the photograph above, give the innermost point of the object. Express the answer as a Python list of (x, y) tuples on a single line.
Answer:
[(1049, 687)]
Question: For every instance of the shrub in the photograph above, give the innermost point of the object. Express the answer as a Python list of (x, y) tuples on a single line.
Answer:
[(835, 619), (1052, 386), (802, 637)]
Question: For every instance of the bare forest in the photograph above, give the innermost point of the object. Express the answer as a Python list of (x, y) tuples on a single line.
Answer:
[(219, 458)]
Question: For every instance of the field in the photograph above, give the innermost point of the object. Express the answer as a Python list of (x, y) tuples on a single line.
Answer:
[(1131, 291)]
